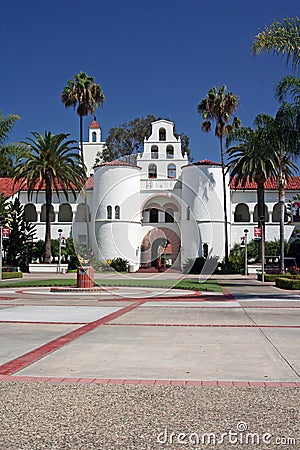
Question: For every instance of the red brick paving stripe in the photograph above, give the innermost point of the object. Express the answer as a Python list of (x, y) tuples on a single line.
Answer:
[(200, 325), (227, 293), (121, 381), (239, 306), (29, 358)]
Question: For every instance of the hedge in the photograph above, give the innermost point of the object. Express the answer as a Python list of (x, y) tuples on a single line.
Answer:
[(287, 283), (274, 276), (8, 275)]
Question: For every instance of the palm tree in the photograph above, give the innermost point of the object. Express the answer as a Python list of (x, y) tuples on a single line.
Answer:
[(251, 160), (219, 106), (289, 85), (265, 153), (85, 94), (50, 163), (8, 153), (284, 138), (281, 38)]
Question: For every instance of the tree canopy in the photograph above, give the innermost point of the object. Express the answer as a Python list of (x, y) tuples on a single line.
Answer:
[(50, 163), (129, 137), (220, 106), (84, 95)]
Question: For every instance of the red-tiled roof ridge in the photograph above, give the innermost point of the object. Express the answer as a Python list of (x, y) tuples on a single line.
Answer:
[(270, 184), (207, 162), (94, 124), (9, 188)]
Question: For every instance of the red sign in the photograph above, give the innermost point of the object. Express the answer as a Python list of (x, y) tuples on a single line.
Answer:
[(5, 232), (257, 232)]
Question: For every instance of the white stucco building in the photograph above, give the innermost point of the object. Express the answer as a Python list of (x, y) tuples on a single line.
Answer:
[(160, 210)]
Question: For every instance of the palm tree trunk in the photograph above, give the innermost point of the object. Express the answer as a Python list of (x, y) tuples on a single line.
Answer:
[(48, 222), (87, 219), (281, 225), (81, 136), (225, 207), (261, 213)]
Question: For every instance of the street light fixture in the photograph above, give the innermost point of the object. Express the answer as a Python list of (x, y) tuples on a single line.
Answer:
[(59, 249), (246, 251)]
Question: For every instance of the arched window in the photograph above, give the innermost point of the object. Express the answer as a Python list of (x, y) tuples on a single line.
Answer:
[(30, 212), (171, 171), (276, 213), (65, 213), (169, 215), (83, 213), (43, 214), (241, 213), (117, 212), (152, 171), (170, 152), (153, 215), (94, 136), (109, 212), (255, 214), (162, 134), (154, 152)]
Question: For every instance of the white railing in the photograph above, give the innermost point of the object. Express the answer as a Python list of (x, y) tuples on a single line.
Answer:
[(160, 184)]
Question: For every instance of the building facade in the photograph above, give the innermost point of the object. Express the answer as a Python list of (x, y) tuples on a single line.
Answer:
[(162, 210)]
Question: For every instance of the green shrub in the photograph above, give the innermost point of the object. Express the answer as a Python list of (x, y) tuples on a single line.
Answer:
[(288, 283), (119, 264), (8, 275), (101, 266), (194, 265), (275, 276)]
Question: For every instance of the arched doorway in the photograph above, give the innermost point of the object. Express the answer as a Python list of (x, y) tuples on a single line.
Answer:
[(161, 248)]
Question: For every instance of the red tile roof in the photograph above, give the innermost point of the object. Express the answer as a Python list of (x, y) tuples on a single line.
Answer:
[(94, 124), (270, 184), (7, 187), (89, 183), (207, 162)]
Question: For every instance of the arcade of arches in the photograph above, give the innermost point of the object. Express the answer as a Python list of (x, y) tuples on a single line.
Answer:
[(242, 213)]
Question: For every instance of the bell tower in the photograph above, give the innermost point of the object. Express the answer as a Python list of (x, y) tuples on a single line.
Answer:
[(94, 131), (92, 150)]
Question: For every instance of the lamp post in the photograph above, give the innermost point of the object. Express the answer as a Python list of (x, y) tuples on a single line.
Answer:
[(59, 248), (262, 224), (246, 251)]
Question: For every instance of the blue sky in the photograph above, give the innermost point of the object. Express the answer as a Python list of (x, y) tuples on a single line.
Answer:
[(150, 57)]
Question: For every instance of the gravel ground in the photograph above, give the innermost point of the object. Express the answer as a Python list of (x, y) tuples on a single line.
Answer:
[(36, 416)]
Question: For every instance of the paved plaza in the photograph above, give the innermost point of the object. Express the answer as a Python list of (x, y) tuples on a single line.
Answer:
[(248, 333), (124, 368)]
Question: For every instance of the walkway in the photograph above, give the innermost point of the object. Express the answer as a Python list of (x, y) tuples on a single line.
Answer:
[(104, 372), (248, 334)]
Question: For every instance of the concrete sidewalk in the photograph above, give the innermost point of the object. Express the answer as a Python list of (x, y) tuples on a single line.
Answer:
[(248, 334), (98, 371)]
